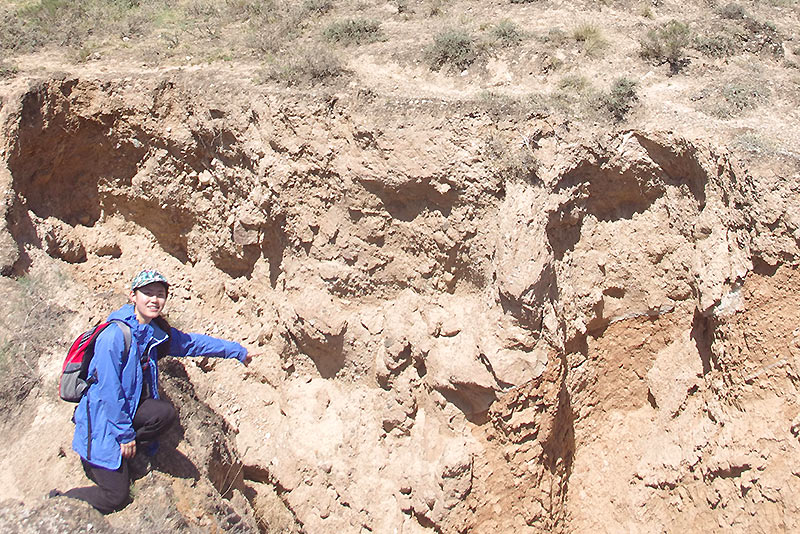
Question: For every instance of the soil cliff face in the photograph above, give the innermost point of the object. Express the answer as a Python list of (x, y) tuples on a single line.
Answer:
[(468, 323)]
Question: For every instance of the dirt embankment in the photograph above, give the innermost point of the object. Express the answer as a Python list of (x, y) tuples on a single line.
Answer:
[(468, 324)]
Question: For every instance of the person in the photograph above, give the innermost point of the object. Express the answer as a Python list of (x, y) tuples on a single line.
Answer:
[(122, 413)]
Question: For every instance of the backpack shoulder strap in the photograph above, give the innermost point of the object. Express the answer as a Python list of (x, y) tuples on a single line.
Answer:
[(126, 333)]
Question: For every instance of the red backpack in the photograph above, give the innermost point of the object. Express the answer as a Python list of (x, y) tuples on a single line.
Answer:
[(74, 375)]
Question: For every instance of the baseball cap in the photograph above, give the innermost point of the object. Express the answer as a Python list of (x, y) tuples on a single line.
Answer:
[(148, 276)]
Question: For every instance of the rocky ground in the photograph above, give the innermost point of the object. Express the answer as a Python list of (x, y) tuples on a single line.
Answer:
[(472, 313)]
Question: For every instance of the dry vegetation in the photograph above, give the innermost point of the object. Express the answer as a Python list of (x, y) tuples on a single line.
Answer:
[(317, 41), (26, 334)]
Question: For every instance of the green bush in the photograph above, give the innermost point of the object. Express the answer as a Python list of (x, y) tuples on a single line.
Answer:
[(506, 33), (452, 47), (620, 99), (353, 31), (667, 44)]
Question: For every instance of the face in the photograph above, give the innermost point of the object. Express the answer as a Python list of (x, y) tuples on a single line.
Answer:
[(148, 301)]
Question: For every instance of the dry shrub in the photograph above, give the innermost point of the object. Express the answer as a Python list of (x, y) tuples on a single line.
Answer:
[(319, 7), (732, 11), (753, 142), (499, 105), (667, 44), (738, 34), (272, 38), (309, 66), (620, 98), (165, 27), (506, 33), (743, 96), (354, 31), (514, 159), (453, 47), (574, 82), (716, 45)]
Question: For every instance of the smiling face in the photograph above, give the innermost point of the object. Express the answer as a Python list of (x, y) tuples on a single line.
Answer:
[(148, 301)]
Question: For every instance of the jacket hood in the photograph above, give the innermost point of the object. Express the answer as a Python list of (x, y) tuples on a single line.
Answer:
[(125, 313)]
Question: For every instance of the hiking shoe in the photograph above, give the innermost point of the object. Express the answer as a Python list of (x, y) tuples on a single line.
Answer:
[(139, 466)]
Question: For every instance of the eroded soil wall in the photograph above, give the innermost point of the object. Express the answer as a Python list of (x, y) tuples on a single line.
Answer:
[(459, 332)]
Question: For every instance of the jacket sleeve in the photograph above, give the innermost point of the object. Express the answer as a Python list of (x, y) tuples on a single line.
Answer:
[(108, 361), (183, 344)]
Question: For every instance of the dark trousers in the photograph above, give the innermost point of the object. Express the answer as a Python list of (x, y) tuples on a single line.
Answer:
[(112, 485)]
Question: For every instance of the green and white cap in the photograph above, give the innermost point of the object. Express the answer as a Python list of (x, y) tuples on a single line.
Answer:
[(148, 276)]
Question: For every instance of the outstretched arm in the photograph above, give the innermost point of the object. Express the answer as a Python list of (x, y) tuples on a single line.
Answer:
[(183, 344)]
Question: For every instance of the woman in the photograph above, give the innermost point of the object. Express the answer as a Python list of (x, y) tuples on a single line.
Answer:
[(121, 413)]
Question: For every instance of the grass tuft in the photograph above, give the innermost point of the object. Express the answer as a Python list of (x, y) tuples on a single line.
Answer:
[(318, 7), (354, 31), (506, 33), (590, 36), (574, 82)]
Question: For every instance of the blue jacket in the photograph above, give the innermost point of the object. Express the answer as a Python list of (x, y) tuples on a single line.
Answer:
[(103, 418)]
